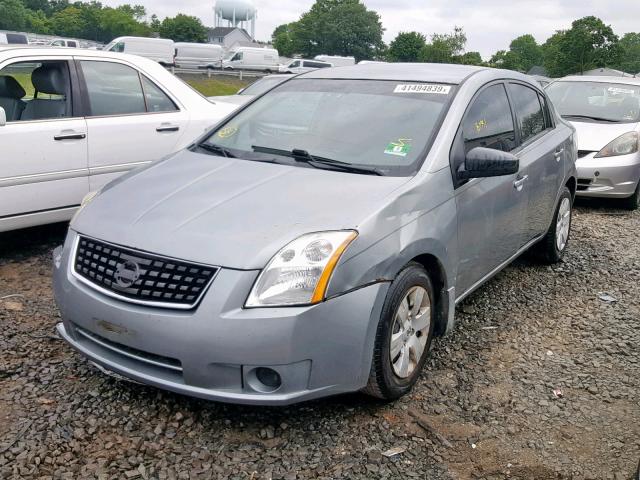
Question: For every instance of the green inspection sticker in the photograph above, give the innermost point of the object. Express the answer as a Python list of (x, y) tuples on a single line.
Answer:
[(400, 148)]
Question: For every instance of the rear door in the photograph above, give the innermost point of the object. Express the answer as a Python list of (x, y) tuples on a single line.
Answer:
[(43, 146), (131, 119), (541, 156), (491, 211)]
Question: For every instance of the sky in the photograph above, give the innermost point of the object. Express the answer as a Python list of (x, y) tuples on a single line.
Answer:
[(490, 25)]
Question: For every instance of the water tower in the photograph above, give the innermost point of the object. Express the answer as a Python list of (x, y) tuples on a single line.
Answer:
[(236, 13)]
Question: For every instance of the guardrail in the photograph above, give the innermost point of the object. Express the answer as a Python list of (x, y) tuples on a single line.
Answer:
[(211, 72)]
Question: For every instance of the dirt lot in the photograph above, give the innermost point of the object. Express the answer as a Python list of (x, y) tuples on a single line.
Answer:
[(484, 408)]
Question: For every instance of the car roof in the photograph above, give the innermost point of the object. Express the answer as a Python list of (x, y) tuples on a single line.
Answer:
[(401, 72), (45, 51), (600, 79)]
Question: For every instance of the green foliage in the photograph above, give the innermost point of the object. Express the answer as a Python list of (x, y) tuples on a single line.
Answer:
[(183, 28), (588, 44), (406, 47), (470, 58), (283, 39), (335, 27), (523, 54), (13, 15), (68, 22), (445, 48), (629, 53)]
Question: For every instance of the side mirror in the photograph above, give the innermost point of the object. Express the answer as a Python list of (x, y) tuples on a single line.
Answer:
[(486, 162), (3, 117)]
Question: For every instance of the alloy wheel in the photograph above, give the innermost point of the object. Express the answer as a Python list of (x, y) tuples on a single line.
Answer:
[(563, 224)]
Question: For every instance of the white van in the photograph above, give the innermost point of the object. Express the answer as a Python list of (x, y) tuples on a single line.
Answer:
[(198, 55), (252, 58), (159, 50), (337, 61), (7, 38), (63, 42), (301, 65)]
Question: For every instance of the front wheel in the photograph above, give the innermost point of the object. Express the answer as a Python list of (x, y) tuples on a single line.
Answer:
[(404, 335), (552, 247)]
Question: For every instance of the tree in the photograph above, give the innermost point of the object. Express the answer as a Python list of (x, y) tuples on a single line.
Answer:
[(155, 23), (37, 22), (588, 44), (445, 48), (183, 28), (13, 15), (525, 53), (406, 47), (117, 23), (339, 27), (283, 39), (470, 58), (630, 53), (68, 22)]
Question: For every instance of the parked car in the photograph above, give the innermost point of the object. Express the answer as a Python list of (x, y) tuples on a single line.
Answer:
[(96, 115), (315, 241), (301, 65), (63, 42), (606, 113), (337, 61), (542, 80), (159, 50), (257, 88), (198, 55), (252, 58), (8, 38)]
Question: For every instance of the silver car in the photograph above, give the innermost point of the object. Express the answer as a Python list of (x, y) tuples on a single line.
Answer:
[(317, 239), (606, 114), (257, 88)]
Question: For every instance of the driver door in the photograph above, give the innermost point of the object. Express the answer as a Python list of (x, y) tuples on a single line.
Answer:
[(491, 211)]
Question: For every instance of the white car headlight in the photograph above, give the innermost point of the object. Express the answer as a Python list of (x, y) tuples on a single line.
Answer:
[(299, 273), (625, 144)]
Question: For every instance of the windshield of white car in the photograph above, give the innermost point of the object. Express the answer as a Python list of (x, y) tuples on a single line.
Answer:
[(596, 101), (384, 125), (263, 85)]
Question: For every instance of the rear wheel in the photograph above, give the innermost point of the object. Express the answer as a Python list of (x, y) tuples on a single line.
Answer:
[(633, 202), (552, 247), (404, 335)]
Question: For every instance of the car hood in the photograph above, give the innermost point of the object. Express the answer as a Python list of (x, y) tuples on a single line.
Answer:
[(594, 136), (228, 212)]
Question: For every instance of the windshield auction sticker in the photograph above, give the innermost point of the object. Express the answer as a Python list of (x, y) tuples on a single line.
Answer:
[(228, 132), (423, 88), (401, 148)]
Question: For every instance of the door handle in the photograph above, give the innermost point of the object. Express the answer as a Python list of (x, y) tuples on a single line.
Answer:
[(167, 127), (70, 136), (519, 183), (558, 154)]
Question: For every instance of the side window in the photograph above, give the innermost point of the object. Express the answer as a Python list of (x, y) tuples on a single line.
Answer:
[(72, 44), (295, 64), (57, 43), (237, 56), (548, 122), (156, 99), (113, 88), (118, 47), (529, 113), (488, 122), (35, 91)]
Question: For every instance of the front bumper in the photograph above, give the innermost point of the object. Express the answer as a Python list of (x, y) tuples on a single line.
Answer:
[(615, 177), (212, 352)]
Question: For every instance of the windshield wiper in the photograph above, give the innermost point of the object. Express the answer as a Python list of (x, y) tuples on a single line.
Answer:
[(318, 162), (589, 117), (217, 149)]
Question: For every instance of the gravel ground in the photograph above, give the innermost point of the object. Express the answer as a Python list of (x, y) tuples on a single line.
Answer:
[(540, 380)]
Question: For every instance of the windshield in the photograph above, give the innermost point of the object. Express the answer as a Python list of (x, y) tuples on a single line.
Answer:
[(614, 102), (261, 86), (379, 124)]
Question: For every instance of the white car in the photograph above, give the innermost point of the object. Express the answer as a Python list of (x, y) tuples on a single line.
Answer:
[(159, 50), (301, 65), (72, 120)]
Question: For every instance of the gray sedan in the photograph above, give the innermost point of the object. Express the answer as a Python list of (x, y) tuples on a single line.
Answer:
[(317, 240), (606, 114)]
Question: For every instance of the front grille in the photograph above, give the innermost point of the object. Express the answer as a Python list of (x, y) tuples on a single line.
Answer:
[(141, 277), (584, 153)]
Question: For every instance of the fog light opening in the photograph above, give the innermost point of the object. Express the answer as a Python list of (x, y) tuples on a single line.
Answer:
[(264, 380)]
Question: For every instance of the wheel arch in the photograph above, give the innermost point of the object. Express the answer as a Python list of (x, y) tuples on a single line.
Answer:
[(572, 185)]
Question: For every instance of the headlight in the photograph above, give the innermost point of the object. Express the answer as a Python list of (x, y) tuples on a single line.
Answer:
[(623, 145), (85, 201), (300, 272)]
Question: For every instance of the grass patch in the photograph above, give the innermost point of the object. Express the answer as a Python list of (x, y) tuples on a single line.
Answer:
[(218, 85)]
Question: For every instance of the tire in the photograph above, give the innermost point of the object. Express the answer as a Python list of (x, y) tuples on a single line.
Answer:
[(551, 248), (633, 202), (388, 379)]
